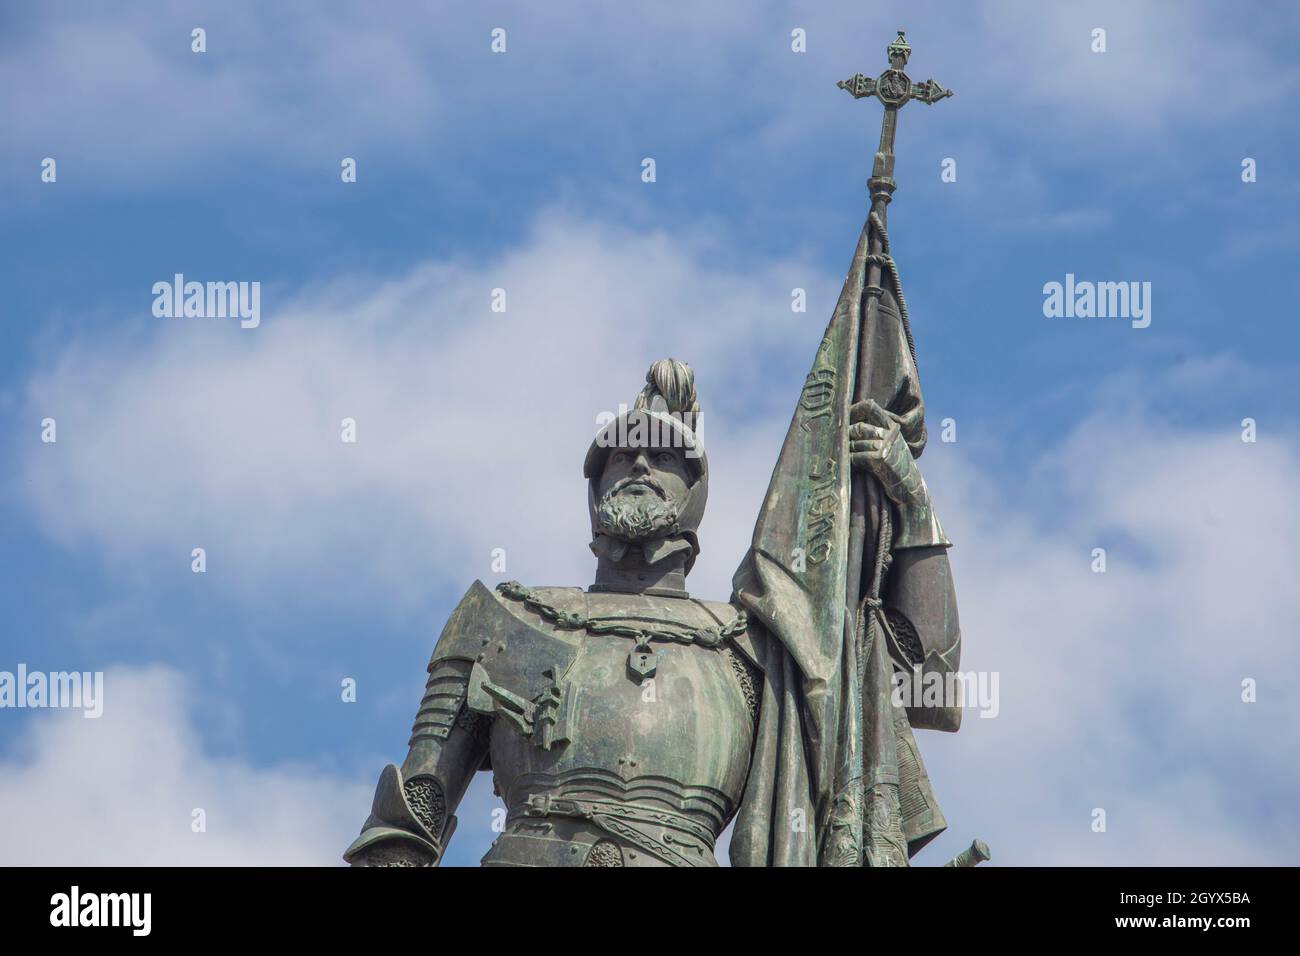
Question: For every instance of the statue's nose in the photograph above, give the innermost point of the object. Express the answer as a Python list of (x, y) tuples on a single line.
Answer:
[(641, 465)]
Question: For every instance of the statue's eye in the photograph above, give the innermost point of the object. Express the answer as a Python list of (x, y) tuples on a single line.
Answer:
[(620, 457), (666, 457)]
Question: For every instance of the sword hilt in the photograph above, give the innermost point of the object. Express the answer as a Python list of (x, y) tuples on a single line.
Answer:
[(973, 855)]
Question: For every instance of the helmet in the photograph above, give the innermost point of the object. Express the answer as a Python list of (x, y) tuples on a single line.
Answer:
[(665, 415)]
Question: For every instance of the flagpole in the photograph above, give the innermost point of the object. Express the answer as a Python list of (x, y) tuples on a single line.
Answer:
[(868, 507), (865, 499)]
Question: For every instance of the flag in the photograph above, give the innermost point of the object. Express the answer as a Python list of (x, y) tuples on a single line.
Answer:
[(833, 768)]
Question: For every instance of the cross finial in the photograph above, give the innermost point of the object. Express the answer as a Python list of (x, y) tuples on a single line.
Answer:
[(893, 88)]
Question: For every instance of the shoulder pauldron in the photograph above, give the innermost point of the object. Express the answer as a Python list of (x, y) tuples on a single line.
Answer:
[(517, 665)]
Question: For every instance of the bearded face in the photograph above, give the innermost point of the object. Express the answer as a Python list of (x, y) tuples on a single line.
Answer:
[(642, 493), (636, 510)]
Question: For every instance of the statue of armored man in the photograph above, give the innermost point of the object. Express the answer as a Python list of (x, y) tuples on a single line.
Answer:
[(628, 723)]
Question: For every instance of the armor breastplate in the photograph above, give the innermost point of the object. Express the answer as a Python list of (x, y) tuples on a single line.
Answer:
[(609, 748)]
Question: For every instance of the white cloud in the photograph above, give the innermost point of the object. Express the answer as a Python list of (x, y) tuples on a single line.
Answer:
[(121, 790), (471, 425), (1123, 690)]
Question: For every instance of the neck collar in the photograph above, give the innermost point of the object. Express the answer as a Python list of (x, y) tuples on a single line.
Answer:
[(656, 567)]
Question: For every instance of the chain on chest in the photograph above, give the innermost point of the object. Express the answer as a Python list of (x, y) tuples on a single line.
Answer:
[(644, 633)]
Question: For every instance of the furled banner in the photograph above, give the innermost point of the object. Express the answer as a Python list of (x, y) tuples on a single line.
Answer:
[(825, 786)]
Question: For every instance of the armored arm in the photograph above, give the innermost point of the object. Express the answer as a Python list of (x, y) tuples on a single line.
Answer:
[(920, 601), (411, 819), (924, 632)]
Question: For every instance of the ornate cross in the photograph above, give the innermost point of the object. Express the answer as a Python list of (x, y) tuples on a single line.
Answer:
[(893, 88)]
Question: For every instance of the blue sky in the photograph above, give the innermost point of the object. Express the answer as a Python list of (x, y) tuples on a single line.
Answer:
[(522, 171)]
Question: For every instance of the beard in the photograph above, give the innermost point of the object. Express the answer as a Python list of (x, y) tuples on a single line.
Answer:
[(630, 517)]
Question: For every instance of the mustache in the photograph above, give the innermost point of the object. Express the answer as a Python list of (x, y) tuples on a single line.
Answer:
[(646, 481)]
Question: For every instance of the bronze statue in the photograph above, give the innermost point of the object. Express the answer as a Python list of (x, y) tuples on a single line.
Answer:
[(627, 724)]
